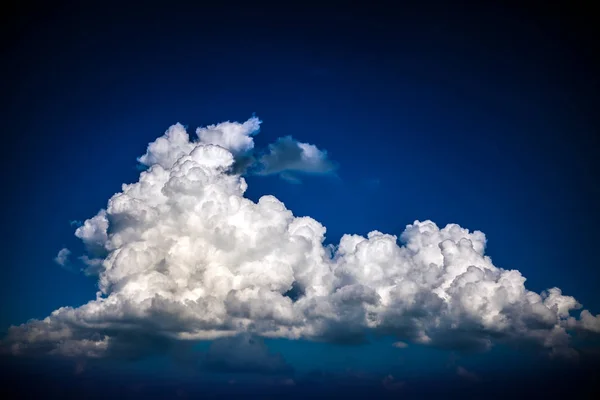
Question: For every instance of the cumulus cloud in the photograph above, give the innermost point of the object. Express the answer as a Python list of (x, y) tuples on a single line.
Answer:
[(285, 157), (181, 254), (62, 258), (175, 143), (586, 322), (288, 157), (400, 345), (232, 136)]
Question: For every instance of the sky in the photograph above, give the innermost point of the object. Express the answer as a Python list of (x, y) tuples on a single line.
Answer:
[(399, 121)]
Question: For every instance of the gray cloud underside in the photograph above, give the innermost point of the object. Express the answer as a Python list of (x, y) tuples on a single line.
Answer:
[(287, 156), (183, 255)]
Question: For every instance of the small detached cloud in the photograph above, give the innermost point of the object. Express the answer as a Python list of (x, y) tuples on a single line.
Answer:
[(288, 157), (400, 345), (62, 258)]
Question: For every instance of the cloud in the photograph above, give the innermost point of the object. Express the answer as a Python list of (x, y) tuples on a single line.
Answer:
[(288, 157), (400, 345), (285, 157), (175, 143), (586, 322), (62, 258), (183, 255), (232, 136), (93, 233)]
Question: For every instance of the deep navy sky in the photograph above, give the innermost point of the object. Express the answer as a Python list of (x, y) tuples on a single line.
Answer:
[(484, 117)]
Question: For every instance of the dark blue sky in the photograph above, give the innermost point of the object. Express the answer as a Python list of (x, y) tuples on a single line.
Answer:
[(484, 117)]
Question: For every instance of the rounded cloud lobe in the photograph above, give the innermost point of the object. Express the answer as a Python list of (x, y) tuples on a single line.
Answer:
[(183, 255)]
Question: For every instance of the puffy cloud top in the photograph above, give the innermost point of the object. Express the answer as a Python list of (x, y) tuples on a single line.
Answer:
[(182, 254), (232, 136)]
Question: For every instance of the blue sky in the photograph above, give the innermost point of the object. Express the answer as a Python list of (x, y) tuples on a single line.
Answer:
[(483, 119)]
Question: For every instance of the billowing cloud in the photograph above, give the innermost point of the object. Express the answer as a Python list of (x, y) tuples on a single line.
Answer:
[(288, 157), (62, 258), (233, 136), (175, 143), (183, 255)]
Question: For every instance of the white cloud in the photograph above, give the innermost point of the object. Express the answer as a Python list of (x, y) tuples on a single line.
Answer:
[(182, 254), (93, 233), (167, 149), (287, 156), (62, 258), (232, 136), (400, 345)]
